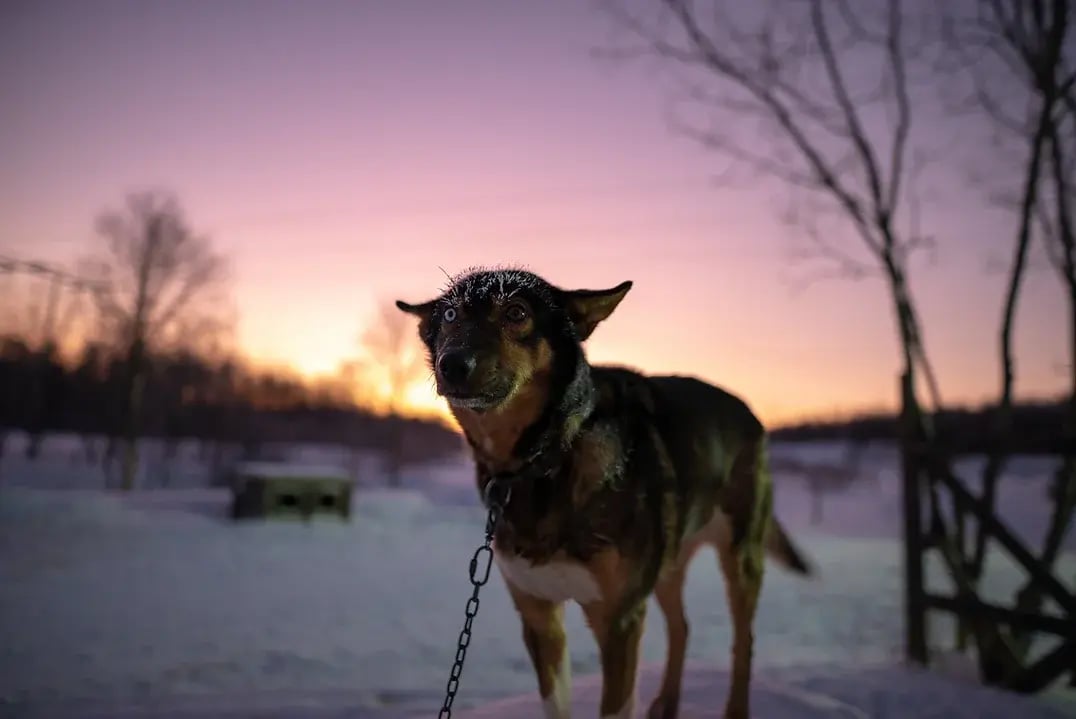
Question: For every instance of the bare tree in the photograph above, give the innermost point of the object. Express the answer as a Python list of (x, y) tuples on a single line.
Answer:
[(798, 92), (157, 278), (392, 362), (1021, 64)]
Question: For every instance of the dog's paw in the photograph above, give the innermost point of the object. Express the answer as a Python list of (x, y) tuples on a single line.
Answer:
[(664, 708)]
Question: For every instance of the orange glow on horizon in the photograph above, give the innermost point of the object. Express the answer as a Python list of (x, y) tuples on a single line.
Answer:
[(421, 401)]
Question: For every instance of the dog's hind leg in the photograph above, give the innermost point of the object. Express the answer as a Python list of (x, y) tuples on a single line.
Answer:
[(618, 635), (742, 556), (743, 581), (547, 645)]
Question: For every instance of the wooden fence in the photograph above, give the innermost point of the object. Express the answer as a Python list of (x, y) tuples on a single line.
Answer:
[(937, 507)]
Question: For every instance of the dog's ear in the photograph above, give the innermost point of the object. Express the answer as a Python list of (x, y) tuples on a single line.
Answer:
[(423, 310), (587, 308)]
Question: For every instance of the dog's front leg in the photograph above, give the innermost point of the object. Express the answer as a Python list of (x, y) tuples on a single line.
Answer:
[(543, 635), (618, 634), (670, 595)]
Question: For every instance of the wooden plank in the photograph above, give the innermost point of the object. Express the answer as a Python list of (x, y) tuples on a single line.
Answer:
[(1047, 669), (1015, 618), (1057, 591), (998, 658), (915, 638)]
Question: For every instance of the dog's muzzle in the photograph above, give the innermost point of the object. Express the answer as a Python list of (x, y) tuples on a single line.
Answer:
[(455, 368), (458, 381)]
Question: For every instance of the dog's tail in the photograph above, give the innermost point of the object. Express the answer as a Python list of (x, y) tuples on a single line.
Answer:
[(782, 549)]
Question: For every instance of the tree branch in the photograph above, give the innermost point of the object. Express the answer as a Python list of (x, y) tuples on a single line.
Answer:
[(851, 117), (904, 113), (706, 52)]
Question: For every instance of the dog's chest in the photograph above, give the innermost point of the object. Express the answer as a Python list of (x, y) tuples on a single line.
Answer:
[(555, 581)]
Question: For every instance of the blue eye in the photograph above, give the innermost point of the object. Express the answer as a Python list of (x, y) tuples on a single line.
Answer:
[(449, 314)]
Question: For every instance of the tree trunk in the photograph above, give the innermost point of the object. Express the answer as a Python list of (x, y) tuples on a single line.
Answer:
[(1072, 356), (1003, 414), (907, 328), (1063, 487), (134, 392), (36, 412)]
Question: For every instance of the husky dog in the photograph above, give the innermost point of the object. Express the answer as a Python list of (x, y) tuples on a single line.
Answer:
[(618, 478)]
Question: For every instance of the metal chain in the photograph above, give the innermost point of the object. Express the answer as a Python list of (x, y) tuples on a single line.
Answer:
[(481, 563)]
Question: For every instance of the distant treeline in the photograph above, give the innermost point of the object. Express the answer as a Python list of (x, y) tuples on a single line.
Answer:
[(1037, 428), (186, 396)]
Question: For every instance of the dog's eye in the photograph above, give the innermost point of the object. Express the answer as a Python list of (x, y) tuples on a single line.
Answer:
[(515, 313), (449, 315)]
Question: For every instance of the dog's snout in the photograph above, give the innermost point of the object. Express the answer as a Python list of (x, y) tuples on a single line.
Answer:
[(456, 367)]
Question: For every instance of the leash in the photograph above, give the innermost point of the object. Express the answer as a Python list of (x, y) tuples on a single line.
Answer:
[(498, 492), (544, 459)]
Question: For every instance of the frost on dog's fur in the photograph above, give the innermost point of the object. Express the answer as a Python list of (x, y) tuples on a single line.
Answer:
[(477, 284)]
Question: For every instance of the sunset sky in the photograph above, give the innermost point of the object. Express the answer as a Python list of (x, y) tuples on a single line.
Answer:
[(343, 152)]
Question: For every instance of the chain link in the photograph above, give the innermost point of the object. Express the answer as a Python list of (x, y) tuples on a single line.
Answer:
[(498, 492)]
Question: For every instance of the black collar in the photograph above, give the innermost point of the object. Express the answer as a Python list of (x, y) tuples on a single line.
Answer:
[(542, 463)]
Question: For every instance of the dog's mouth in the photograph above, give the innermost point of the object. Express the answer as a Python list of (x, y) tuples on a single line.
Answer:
[(478, 401)]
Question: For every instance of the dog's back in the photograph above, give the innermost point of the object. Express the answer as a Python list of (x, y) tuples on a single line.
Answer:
[(708, 433)]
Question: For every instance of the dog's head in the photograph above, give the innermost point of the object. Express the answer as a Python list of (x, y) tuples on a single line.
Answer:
[(491, 332)]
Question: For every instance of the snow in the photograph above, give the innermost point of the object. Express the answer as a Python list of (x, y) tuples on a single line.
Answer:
[(816, 692), (290, 470), (155, 604)]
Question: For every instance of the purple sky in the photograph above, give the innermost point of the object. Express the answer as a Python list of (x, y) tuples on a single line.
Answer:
[(340, 152)]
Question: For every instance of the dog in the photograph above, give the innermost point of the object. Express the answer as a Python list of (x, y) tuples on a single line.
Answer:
[(617, 479)]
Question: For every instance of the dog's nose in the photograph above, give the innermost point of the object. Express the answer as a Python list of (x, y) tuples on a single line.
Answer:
[(456, 367)]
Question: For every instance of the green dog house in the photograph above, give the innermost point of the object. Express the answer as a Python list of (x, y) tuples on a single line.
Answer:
[(266, 490)]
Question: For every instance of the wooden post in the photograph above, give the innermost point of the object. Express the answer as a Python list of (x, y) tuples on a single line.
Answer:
[(915, 641)]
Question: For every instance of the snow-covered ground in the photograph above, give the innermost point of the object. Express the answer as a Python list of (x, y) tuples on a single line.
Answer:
[(834, 691), (157, 600)]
